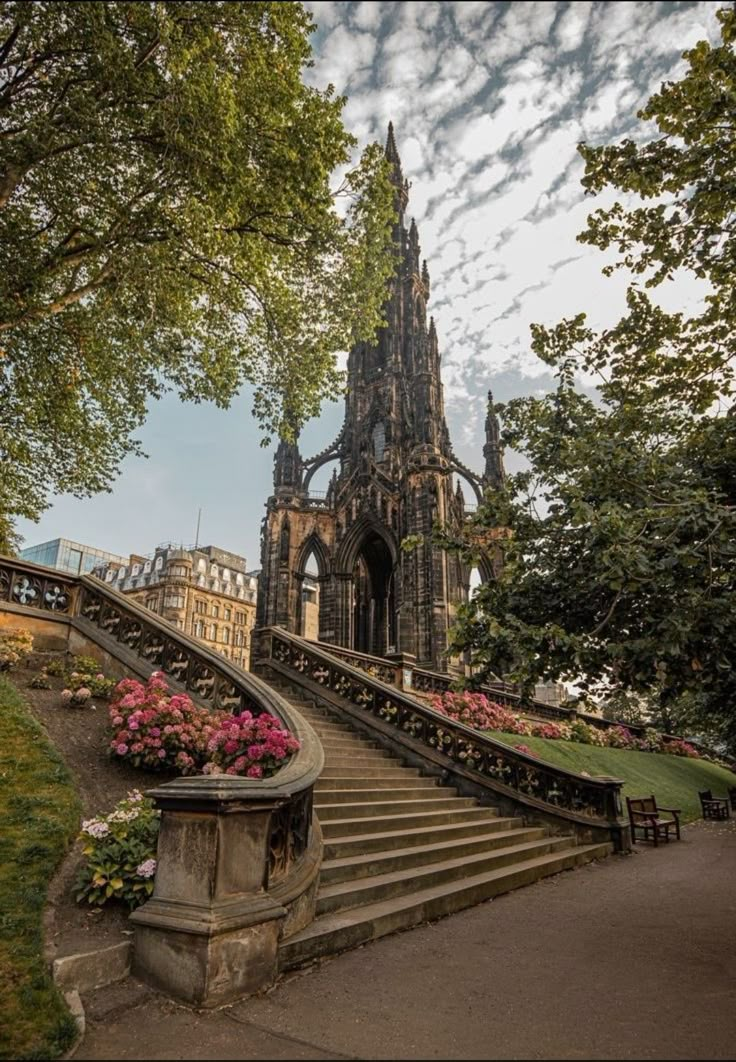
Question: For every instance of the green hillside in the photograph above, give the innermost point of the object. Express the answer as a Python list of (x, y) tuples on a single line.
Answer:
[(674, 780)]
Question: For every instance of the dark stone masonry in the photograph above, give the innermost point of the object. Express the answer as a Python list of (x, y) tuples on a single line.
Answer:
[(395, 480)]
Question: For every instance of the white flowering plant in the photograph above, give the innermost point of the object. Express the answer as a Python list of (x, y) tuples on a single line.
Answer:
[(120, 853)]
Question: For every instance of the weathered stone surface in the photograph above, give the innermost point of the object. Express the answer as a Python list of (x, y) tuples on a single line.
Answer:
[(92, 969), (395, 480), (207, 971)]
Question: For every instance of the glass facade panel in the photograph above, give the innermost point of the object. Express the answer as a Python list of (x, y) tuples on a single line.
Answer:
[(67, 556)]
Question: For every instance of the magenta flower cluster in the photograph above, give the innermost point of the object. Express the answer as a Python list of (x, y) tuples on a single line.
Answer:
[(255, 746), (153, 728), (477, 711)]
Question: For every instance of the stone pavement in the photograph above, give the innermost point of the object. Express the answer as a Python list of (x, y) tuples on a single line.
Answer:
[(631, 958)]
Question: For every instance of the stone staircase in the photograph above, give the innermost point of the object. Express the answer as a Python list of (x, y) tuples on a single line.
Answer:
[(401, 849)]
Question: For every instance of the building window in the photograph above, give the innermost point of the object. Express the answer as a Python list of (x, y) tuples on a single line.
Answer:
[(159, 563), (174, 601), (213, 632), (226, 636), (109, 575), (240, 617), (199, 629), (151, 603), (178, 569), (200, 606), (379, 441), (228, 614), (216, 611)]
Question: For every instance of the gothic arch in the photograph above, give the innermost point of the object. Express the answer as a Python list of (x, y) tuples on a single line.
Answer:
[(470, 478), (313, 544), (352, 544)]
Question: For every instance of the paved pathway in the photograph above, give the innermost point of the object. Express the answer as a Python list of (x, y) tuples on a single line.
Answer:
[(632, 958)]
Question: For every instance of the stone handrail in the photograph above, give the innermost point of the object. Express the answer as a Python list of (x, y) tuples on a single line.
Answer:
[(238, 858), (429, 682), (403, 720)]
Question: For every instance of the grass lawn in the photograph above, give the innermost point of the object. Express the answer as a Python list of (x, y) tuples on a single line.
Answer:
[(39, 817), (674, 780)]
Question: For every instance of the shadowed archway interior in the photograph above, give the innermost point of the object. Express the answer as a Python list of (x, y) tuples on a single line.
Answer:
[(374, 598)]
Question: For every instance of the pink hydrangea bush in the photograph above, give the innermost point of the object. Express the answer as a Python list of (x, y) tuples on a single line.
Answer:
[(255, 746), (552, 731), (155, 729), (477, 711), (678, 747)]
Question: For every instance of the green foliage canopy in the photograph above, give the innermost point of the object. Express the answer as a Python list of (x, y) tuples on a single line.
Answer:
[(621, 537), (167, 220)]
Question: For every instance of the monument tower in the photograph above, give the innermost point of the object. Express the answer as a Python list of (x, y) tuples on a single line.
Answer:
[(394, 478)]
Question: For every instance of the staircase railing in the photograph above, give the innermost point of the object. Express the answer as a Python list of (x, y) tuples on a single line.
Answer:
[(591, 805), (238, 857)]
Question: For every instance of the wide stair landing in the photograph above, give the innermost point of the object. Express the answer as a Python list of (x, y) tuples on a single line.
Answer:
[(401, 849)]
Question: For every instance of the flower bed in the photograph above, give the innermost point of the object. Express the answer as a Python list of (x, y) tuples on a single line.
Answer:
[(477, 711), (120, 853), (153, 728)]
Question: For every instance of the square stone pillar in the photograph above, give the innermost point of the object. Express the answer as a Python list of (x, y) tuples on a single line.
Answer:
[(209, 934)]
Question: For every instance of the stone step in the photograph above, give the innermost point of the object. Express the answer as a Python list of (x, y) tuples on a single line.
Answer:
[(350, 742), (355, 866), (362, 780), (354, 845), (374, 809), (345, 827), (360, 892), (359, 774), (375, 795), (365, 760), (336, 932)]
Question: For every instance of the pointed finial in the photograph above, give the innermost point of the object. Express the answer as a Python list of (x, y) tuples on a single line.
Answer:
[(493, 451), (391, 152), (425, 276)]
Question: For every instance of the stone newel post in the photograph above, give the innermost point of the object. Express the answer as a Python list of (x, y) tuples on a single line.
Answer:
[(209, 934)]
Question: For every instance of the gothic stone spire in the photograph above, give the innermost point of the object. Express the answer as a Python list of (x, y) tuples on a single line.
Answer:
[(492, 451)]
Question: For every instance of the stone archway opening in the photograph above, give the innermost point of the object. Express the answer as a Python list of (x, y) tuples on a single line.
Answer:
[(374, 598), (309, 598)]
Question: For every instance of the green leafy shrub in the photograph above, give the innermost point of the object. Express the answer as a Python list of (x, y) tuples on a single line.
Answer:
[(120, 853), (15, 644), (40, 681), (56, 667)]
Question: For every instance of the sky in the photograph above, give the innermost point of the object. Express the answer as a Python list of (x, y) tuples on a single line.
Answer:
[(489, 102)]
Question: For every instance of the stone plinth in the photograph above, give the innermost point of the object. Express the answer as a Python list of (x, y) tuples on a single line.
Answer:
[(209, 934)]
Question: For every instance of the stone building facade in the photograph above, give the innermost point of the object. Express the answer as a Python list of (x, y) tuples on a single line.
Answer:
[(396, 475), (205, 591)]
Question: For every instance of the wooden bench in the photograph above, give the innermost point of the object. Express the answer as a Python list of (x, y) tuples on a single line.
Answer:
[(644, 815), (732, 796), (713, 807)]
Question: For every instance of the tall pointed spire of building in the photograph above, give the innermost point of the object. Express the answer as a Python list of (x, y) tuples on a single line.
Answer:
[(492, 451), (392, 153), (397, 176)]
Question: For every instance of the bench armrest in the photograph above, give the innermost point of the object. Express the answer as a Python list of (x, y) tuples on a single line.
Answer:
[(672, 811)]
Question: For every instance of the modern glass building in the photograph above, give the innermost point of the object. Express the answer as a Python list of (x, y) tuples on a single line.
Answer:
[(69, 556)]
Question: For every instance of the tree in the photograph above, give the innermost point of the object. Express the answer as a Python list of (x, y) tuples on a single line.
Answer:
[(619, 565), (167, 221)]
